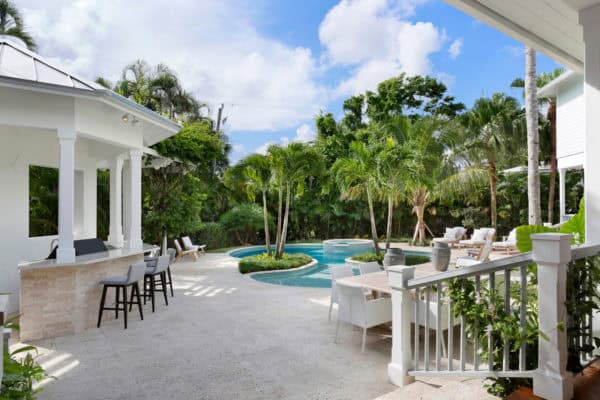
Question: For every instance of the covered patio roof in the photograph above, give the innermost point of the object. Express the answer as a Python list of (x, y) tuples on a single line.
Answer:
[(550, 26)]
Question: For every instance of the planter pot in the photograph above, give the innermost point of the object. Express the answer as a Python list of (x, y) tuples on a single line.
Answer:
[(440, 256), (393, 257)]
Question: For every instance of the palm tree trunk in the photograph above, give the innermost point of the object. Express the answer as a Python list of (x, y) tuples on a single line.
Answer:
[(279, 221), (533, 142), (551, 115), (266, 221), (373, 224), (493, 194), (388, 234), (285, 221)]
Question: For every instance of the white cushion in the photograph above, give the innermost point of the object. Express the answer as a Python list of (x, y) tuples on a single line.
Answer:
[(512, 236), (450, 233), (479, 235), (187, 243)]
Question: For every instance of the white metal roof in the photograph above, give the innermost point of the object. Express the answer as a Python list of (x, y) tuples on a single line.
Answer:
[(550, 26), (22, 68)]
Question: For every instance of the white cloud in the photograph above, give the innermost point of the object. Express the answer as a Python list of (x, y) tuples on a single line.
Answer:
[(304, 133), (455, 48), (372, 36), (214, 47)]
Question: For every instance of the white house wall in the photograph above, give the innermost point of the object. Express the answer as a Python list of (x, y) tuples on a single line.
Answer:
[(570, 125), (37, 110), (20, 148)]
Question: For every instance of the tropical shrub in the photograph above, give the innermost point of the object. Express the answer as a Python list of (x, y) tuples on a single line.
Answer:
[(411, 259), (264, 262), (244, 221), (213, 235)]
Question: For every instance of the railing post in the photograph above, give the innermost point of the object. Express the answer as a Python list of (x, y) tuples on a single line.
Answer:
[(401, 322), (552, 253), (4, 333)]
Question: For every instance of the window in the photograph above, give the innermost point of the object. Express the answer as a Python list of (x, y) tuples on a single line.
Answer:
[(43, 201)]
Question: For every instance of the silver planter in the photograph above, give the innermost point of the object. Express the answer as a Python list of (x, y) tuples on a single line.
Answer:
[(440, 256)]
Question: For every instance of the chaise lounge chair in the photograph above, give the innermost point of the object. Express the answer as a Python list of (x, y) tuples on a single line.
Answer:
[(188, 245), (509, 245), (187, 252), (482, 255), (478, 238), (452, 236)]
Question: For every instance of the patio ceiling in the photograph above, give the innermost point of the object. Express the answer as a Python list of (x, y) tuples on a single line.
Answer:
[(550, 26)]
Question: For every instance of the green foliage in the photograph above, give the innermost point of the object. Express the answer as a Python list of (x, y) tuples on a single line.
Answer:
[(43, 201), (243, 221), (264, 262), (11, 24), (524, 243), (411, 259), (213, 235), (576, 225), (21, 370)]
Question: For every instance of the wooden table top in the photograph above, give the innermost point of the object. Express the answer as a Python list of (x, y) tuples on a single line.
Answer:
[(379, 281)]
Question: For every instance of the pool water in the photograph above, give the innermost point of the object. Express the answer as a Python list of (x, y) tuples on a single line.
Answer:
[(316, 276)]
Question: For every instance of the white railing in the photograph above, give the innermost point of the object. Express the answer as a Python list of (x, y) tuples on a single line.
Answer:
[(425, 303)]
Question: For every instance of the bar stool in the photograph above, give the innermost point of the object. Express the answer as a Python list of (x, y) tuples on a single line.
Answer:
[(151, 262), (154, 268), (134, 275)]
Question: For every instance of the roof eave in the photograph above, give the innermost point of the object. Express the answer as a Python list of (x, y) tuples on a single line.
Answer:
[(552, 88)]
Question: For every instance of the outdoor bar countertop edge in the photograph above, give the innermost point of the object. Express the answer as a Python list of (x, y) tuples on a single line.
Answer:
[(88, 258)]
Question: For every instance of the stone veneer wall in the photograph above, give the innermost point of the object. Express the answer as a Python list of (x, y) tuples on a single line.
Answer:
[(59, 301)]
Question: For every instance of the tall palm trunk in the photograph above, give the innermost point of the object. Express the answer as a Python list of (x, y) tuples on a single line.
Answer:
[(419, 202), (493, 193), (285, 221), (551, 115), (533, 141), (373, 224), (388, 233), (266, 221), (279, 221)]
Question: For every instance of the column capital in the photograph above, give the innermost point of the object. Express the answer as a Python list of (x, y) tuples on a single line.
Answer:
[(135, 153), (551, 248), (589, 17), (66, 133)]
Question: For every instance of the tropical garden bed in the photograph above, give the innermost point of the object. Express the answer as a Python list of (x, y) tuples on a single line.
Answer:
[(264, 262), (411, 259)]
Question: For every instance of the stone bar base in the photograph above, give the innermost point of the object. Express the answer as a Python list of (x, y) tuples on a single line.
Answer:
[(64, 300)]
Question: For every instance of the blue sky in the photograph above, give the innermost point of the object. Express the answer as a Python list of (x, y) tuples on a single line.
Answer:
[(275, 64)]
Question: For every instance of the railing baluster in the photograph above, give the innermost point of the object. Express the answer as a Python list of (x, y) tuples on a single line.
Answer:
[(505, 365), (590, 334), (492, 287), (426, 340), (523, 318), (450, 343), (463, 339), (438, 326), (476, 325), (417, 327)]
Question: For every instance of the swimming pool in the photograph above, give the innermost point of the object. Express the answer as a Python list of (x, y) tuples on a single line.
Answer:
[(315, 276)]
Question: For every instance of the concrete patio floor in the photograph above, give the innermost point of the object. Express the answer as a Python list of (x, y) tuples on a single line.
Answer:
[(225, 336)]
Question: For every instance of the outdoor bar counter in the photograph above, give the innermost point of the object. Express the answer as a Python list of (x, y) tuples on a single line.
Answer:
[(60, 299)]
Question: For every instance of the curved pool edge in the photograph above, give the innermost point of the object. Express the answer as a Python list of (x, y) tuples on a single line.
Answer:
[(249, 275), (262, 246)]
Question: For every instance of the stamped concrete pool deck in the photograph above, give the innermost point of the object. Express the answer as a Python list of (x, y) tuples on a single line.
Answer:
[(225, 336)]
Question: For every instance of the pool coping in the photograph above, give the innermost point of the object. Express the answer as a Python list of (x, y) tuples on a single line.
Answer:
[(262, 246)]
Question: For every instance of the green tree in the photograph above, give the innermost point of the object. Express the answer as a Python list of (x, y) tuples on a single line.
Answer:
[(292, 166), (244, 220), (412, 96), (542, 80), (488, 131), (11, 24), (356, 176), (254, 174)]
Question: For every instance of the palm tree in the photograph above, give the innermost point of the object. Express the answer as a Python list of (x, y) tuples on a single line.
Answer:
[(542, 80), (356, 176), (489, 129), (533, 138), (11, 24), (257, 172)]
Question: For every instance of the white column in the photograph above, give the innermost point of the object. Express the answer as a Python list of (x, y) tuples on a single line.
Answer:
[(135, 197), (66, 194), (552, 253), (589, 18), (401, 322), (562, 176), (126, 199), (115, 232)]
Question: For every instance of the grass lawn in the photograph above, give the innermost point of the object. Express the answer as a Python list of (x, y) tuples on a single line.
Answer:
[(263, 262)]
